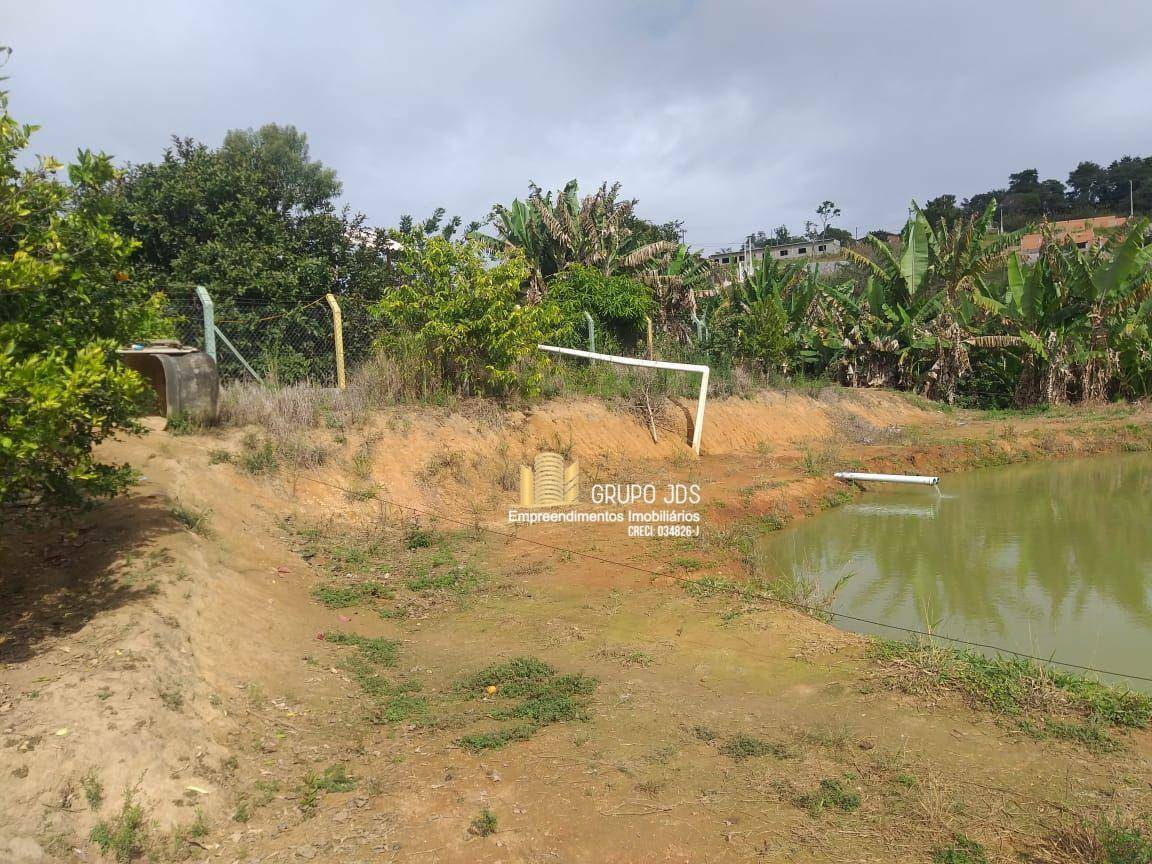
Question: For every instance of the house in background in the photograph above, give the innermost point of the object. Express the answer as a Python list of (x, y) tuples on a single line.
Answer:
[(1085, 233), (783, 251)]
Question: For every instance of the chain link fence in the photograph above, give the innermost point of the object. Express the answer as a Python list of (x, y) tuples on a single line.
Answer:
[(282, 345)]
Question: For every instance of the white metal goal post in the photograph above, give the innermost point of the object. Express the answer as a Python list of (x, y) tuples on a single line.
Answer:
[(698, 426)]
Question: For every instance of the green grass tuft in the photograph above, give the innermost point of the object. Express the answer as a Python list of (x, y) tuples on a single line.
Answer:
[(353, 594), (962, 850), (93, 789), (374, 650), (828, 795), (334, 778), (740, 747), (192, 518), (1019, 688)]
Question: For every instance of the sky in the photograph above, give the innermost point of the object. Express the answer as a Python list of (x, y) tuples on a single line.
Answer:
[(733, 116)]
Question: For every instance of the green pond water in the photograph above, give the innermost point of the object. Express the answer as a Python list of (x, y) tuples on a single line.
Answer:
[(1052, 559)]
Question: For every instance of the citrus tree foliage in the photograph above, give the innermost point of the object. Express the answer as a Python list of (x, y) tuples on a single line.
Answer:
[(67, 300), (458, 316)]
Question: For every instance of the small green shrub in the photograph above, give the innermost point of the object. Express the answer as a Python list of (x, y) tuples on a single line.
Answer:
[(462, 319), (483, 824), (259, 456), (124, 835), (1124, 845), (419, 538), (703, 733), (182, 424), (243, 811), (199, 827), (334, 778), (93, 789)]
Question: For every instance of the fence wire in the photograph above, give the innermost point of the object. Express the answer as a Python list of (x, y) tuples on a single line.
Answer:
[(284, 345)]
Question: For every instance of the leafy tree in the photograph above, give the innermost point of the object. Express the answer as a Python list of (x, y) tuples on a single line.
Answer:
[(1091, 189), (255, 221), (618, 304), (412, 231), (1086, 185), (751, 320), (297, 183), (825, 213), (459, 319), (757, 239), (942, 209), (68, 299)]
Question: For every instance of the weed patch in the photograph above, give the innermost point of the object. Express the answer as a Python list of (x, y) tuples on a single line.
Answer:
[(380, 651), (258, 456), (740, 747), (352, 594), (962, 850), (529, 692), (334, 778), (703, 733), (93, 789), (1035, 695), (394, 702), (192, 518), (1089, 735), (424, 566), (829, 795), (484, 823), (123, 836)]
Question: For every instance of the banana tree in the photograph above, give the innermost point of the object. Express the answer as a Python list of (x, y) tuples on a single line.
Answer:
[(928, 287), (1114, 285), (1036, 315), (597, 230), (961, 255), (518, 226), (678, 282)]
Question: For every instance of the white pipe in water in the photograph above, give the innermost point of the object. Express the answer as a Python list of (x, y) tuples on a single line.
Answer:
[(913, 479)]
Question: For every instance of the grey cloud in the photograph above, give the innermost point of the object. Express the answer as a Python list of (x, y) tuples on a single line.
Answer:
[(731, 115)]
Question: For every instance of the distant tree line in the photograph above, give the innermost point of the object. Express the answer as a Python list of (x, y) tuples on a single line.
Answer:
[(1090, 190)]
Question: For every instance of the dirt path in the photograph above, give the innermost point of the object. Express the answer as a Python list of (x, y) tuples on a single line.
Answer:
[(174, 643)]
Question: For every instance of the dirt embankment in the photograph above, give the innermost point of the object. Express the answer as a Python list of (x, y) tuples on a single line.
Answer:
[(166, 643)]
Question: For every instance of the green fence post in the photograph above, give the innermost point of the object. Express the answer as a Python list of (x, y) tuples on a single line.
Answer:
[(209, 321)]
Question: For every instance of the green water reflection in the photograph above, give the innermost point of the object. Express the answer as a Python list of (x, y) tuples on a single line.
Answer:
[(1054, 559)]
